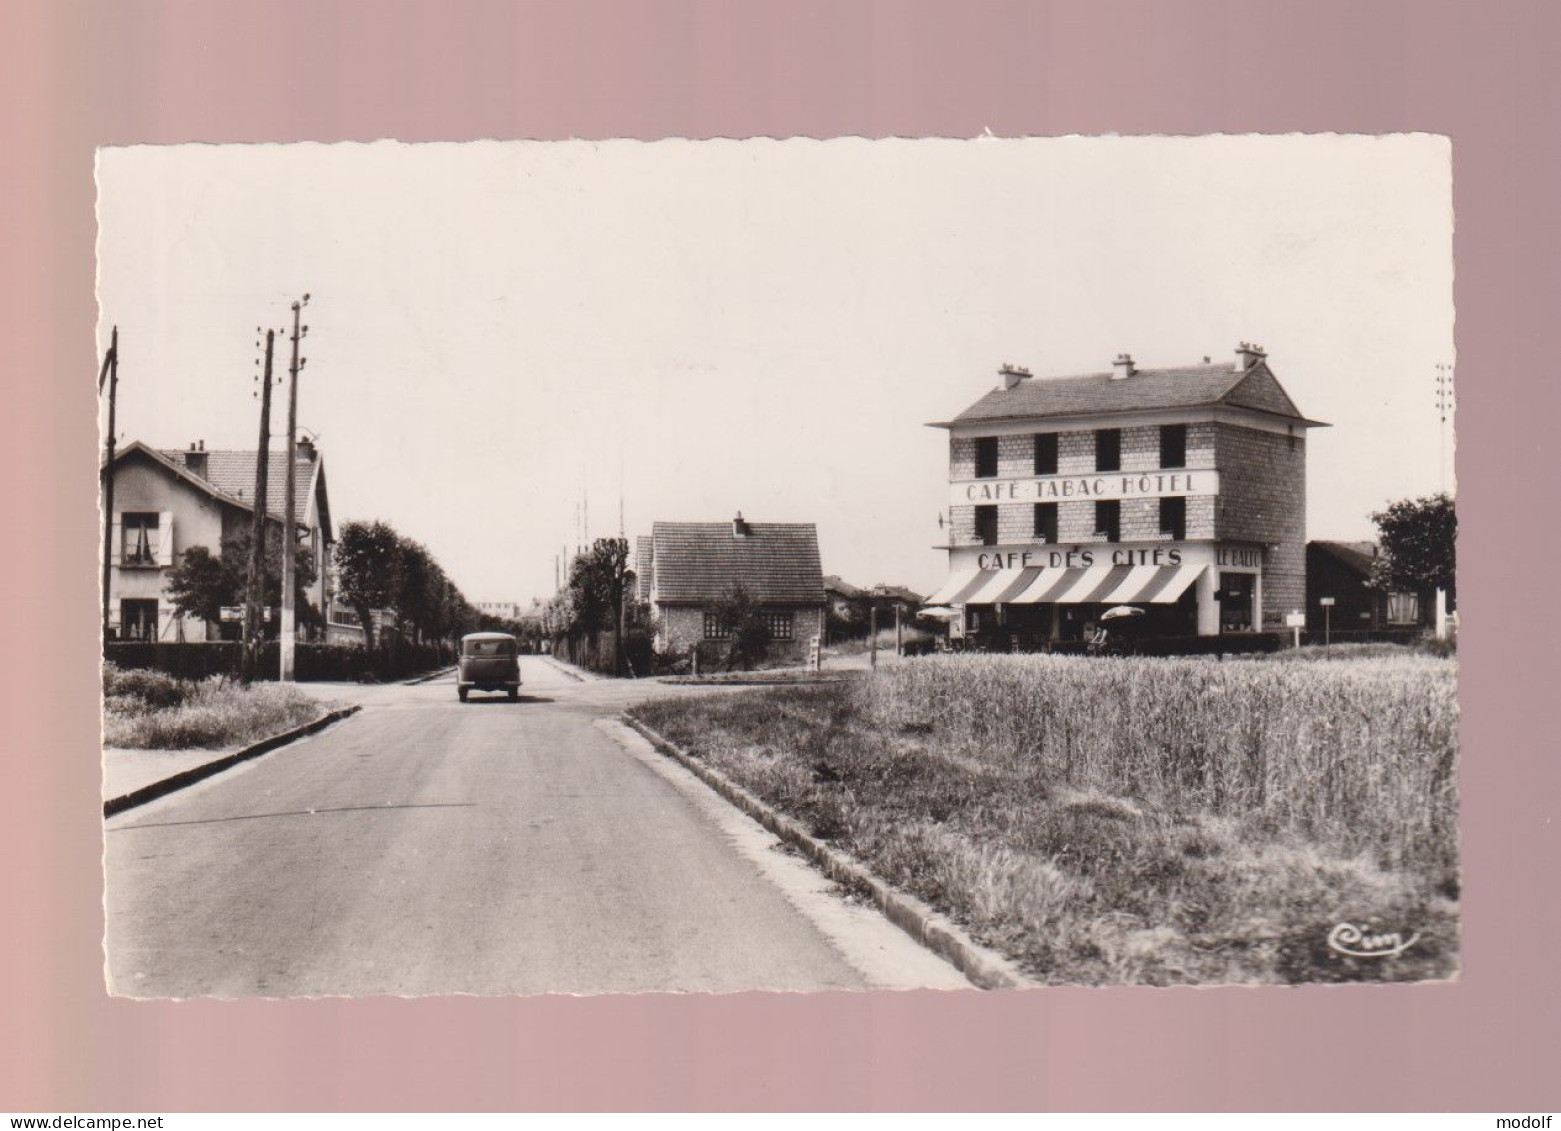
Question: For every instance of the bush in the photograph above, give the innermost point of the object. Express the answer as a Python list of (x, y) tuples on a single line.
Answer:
[(146, 690), (311, 662), (215, 713)]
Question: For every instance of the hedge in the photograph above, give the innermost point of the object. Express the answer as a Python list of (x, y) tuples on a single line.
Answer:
[(311, 662)]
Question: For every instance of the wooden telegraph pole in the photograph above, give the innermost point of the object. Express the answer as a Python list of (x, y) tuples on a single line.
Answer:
[(255, 581), (290, 506), (110, 373)]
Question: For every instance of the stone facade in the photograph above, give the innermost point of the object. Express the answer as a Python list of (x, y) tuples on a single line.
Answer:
[(682, 627), (1263, 500)]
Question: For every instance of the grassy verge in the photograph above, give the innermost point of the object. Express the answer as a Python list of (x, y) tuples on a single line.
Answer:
[(1129, 821), (147, 710)]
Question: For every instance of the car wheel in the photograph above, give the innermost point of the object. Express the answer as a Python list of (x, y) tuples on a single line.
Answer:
[(514, 693), (461, 691)]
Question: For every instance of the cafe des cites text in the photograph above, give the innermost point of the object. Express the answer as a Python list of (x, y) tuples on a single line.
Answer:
[(1179, 491)]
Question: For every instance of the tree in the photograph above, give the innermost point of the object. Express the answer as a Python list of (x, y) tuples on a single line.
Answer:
[(202, 583), (1418, 539), (367, 558), (749, 629)]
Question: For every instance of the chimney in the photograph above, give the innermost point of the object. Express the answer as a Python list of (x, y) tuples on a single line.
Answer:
[(306, 447), (1122, 367), (740, 528), (195, 458), (1012, 374), (1248, 355)]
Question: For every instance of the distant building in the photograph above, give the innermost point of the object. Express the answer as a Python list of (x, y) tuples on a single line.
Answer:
[(1341, 570), (503, 610), (690, 568), (1181, 491), (166, 501)]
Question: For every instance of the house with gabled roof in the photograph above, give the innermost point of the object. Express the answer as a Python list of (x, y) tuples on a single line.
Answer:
[(690, 568), (1180, 491), (169, 500)]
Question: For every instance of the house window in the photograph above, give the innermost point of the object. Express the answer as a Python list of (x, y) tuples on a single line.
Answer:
[(716, 627), (986, 457), (1108, 449), (779, 625), (137, 619), (1046, 522), (986, 525), (1403, 608), (1108, 519), (140, 538), (1173, 445), (1046, 453), (1173, 516)]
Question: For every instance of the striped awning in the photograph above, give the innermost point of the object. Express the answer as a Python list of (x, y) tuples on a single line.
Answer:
[(1093, 585)]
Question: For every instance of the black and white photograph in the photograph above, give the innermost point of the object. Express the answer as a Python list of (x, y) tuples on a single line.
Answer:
[(602, 567)]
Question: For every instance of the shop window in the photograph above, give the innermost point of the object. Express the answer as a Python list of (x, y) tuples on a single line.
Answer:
[(1108, 449), (140, 538), (1046, 453), (137, 619), (716, 627), (1108, 519), (1173, 517), (1046, 522), (1235, 597), (1173, 445), (986, 525), (779, 625), (986, 457)]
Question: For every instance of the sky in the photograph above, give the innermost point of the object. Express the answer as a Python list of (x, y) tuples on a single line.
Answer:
[(504, 336)]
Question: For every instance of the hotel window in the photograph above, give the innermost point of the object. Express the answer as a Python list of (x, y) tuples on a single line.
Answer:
[(986, 525), (1173, 445), (1108, 449), (716, 627), (139, 538), (1108, 519), (1403, 608), (779, 625), (1046, 453), (1173, 516), (986, 457), (1046, 522)]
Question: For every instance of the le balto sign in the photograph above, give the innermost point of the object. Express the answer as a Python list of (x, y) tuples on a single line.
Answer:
[(1103, 485)]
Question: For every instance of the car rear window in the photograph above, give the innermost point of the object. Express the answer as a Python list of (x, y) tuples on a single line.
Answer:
[(490, 648)]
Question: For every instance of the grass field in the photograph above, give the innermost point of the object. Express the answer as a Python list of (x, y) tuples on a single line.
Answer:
[(1130, 821), (147, 710)]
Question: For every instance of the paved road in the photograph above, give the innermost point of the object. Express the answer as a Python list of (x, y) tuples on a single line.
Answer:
[(426, 847)]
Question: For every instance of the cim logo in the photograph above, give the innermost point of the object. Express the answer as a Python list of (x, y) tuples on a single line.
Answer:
[(1360, 942)]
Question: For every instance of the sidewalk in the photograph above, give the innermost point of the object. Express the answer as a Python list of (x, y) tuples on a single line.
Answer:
[(125, 771)]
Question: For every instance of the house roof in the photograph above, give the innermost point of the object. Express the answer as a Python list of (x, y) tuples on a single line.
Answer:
[(224, 479), (1356, 556), (833, 584), (232, 474), (1192, 386), (700, 562), (898, 593)]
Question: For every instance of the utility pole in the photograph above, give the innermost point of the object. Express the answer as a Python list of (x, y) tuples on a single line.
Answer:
[(1444, 405), (255, 580), (110, 373), (290, 507)]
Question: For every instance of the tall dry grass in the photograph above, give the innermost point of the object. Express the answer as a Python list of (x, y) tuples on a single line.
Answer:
[(1357, 756)]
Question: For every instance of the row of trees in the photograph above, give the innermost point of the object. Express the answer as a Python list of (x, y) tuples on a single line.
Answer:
[(378, 568)]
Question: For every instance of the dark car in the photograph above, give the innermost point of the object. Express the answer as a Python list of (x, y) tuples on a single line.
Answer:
[(489, 661)]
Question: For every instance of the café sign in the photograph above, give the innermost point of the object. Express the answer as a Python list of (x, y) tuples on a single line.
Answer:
[(1108, 485)]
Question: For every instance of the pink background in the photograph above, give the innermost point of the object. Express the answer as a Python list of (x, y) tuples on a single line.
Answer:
[(73, 76)]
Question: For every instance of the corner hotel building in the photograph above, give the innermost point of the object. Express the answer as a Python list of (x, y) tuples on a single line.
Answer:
[(1181, 491)]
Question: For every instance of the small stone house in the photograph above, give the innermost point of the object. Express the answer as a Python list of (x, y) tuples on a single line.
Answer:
[(688, 569)]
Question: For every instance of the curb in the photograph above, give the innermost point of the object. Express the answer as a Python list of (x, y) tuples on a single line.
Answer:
[(566, 669), (428, 677), (198, 773), (984, 967)]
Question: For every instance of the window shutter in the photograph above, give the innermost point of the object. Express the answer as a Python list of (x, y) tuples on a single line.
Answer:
[(165, 538), (116, 541)]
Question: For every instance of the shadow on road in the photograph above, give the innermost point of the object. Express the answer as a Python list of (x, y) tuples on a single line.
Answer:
[(498, 700)]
